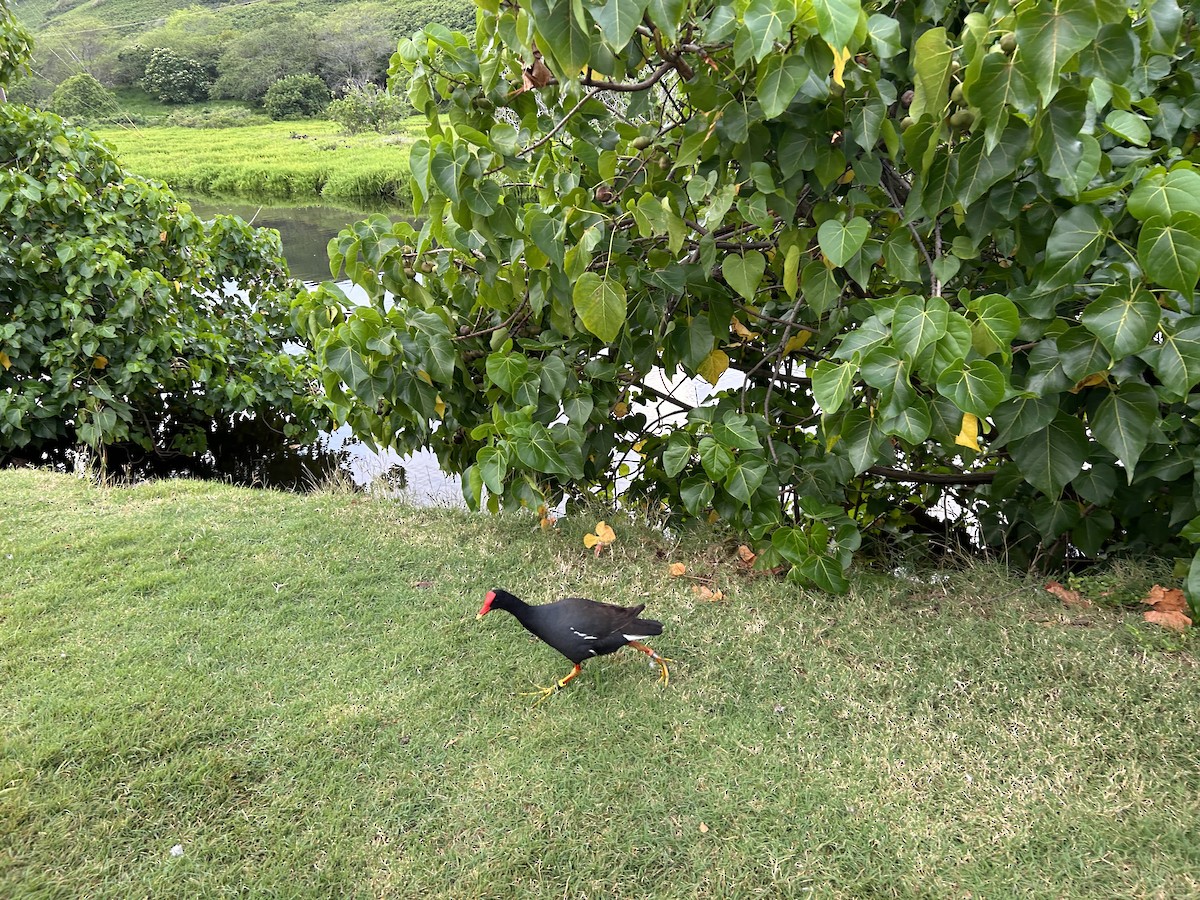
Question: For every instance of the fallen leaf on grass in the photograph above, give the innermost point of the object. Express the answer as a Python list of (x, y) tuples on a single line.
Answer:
[(703, 828), (746, 556), (601, 538), (707, 593), (1068, 596), (546, 518), (677, 569), (1168, 608)]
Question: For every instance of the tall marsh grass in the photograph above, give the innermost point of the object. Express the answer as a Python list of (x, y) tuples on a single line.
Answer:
[(280, 160)]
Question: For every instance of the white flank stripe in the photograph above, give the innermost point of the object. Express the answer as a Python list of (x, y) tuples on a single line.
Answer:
[(586, 637), (635, 637)]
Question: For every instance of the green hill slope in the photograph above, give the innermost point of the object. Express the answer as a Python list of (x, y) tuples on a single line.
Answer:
[(133, 17)]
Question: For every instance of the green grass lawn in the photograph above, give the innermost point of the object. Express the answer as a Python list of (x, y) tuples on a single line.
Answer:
[(302, 159), (294, 690)]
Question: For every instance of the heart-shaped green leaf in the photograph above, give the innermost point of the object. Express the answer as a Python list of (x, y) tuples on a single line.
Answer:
[(601, 305), (840, 242), (744, 273)]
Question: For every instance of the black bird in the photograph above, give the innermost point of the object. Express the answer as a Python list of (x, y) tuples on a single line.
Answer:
[(580, 629)]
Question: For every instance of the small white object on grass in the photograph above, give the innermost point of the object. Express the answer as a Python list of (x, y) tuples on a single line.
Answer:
[(177, 850)]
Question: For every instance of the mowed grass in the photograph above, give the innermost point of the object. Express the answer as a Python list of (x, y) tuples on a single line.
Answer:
[(302, 159), (294, 690)]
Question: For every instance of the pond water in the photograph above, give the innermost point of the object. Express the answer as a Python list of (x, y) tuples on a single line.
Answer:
[(305, 232)]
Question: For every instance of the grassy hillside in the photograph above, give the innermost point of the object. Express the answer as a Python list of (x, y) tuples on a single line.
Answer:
[(218, 692), (142, 15)]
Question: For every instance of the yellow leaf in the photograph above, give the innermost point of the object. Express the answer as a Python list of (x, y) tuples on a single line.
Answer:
[(1096, 378), (969, 435), (605, 532), (714, 364), (590, 541), (840, 58), (620, 409), (741, 330), (4, 360), (797, 341), (99, 362), (847, 177), (637, 448), (439, 407), (424, 376), (677, 569)]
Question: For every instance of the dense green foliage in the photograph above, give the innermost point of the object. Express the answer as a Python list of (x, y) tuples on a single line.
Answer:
[(296, 97), (116, 324), (82, 98), (173, 78), (950, 250)]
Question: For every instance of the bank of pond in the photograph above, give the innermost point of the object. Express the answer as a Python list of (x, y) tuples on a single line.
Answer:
[(308, 160)]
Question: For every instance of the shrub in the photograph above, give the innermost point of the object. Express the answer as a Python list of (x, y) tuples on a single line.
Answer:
[(175, 79), (367, 107), (296, 97), (83, 98)]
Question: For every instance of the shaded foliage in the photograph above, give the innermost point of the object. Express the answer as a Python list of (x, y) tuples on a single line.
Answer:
[(83, 98), (117, 324), (296, 97), (947, 251)]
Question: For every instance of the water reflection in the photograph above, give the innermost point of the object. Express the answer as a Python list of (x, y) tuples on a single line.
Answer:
[(305, 232)]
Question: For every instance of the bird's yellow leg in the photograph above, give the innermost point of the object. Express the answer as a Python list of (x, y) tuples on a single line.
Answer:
[(543, 693), (665, 676)]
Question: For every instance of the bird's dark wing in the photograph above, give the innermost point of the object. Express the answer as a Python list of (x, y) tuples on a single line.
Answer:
[(599, 619)]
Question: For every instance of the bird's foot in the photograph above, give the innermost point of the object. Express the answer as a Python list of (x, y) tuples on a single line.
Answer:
[(541, 693), (665, 676)]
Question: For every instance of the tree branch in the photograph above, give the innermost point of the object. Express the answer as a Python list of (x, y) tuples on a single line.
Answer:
[(890, 474)]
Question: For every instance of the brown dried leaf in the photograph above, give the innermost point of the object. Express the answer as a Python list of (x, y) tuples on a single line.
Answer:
[(1168, 608), (1068, 596), (746, 556), (703, 828), (677, 569), (1166, 599), (707, 593), (1172, 619)]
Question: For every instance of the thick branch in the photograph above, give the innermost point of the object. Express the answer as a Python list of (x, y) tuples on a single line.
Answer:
[(890, 474)]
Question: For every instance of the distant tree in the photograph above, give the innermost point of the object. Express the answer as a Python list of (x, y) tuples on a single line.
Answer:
[(131, 64), (82, 98), (296, 97), (194, 32), (175, 79), (256, 60), (90, 46), (353, 48)]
